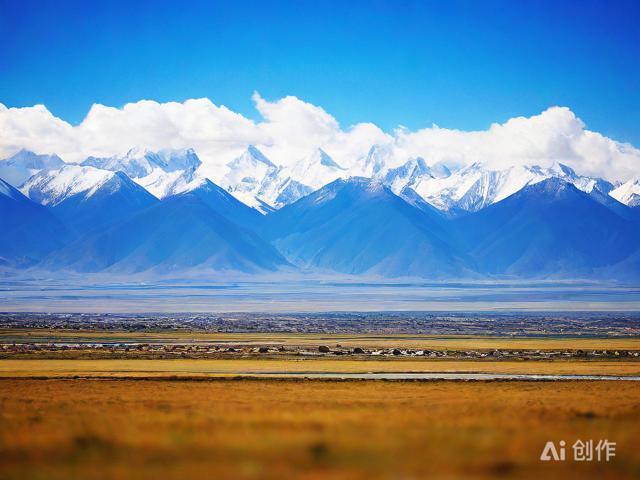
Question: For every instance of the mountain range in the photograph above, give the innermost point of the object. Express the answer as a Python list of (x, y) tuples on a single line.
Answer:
[(157, 212)]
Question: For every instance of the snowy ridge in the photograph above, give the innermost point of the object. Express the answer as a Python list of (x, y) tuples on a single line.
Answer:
[(628, 193), (140, 162), (317, 170), (164, 184), (257, 182), (51, 187), (18, 168), (264, 185), (408, 175), (475, 187)]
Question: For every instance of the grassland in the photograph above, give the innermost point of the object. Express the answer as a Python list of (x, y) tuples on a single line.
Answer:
[(189, 368), (435, 342), (126, 429), (103, 412)]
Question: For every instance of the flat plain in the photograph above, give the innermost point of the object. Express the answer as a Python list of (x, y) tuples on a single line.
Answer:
[(118, 404), (84, 428)]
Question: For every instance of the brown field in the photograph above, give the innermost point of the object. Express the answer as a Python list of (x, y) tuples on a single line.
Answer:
[(99, 414), (238, 367), (433, 342), (83, 428)]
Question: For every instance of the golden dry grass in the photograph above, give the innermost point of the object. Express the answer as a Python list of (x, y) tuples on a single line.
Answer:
[(213, 368), (126, 429), (432, 342)]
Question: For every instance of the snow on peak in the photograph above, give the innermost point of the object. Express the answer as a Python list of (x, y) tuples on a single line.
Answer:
[(408, 175), (256, 155), (173, 160), (139, 162), (375, 162), (551, 187), (251, 164), (165, 184), (440, 170), (257, 182), (326, 160), (474, 187), (364, 184), (18, 168), (628, 193), (29, 159), (316, 170), (54, 186)]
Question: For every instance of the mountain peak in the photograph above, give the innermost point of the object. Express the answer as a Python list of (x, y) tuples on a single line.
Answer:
[(140, 162), (563, 170), (327, 161), (552, 188), (375, 161), (51, 187), (408, 174), (628, 193), (256, 154), (29, 159), (18, 168), (136, 152), (360, 186), (357, 225), (363, 182)]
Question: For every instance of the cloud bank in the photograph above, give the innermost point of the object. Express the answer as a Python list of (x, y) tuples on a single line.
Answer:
[(291, 129)]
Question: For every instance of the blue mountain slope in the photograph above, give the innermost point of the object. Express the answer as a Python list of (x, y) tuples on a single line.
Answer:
[(548, 229), (410, 196), (112, 202), (225, 205), (180, 233), (29, 230), (360, 226), (628, 213)]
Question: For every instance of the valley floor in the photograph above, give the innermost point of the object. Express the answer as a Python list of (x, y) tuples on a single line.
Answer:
[(118, 404)]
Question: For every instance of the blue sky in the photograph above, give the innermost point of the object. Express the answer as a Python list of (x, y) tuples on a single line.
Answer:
[(457, 64)]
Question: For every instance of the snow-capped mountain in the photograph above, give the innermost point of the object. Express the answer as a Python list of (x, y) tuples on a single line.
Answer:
[(278, 190), (87, 197), (475, 187), (140, 162), (548, 229), (29, 231), (246, 174), (18, 168), (163, 173), (374, 163), (317, 170), (52, 187), (179, 234), (360, 226), (163, 184), (222, 203), (408, 175), (628, 193), (409, 219), (257, 182)]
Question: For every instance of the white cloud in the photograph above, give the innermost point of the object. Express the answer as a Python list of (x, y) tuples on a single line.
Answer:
[(555, 135), (292, 128), (295, 128)]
